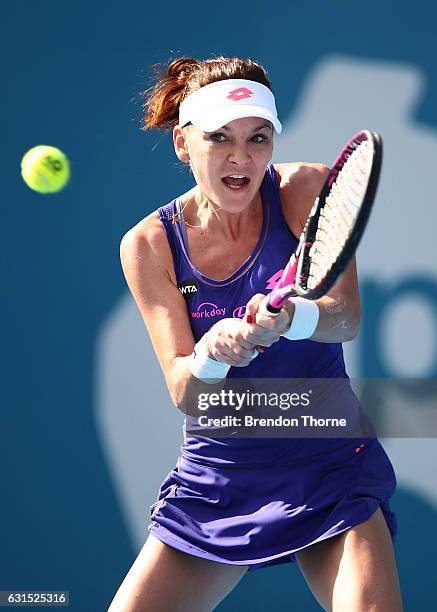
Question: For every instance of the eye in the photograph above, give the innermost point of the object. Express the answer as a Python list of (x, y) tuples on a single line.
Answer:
[(259, 138), (217, 137), (221, 137)]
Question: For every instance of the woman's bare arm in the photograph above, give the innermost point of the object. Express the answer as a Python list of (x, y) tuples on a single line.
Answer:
[(147, 264)]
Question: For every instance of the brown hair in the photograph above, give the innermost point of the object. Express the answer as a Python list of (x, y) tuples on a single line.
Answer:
[(184, 75)]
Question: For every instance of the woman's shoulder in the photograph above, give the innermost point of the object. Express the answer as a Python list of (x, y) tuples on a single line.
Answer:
[(147, 240), (151, 227), (148, 229), (299, 185), (300, 175)]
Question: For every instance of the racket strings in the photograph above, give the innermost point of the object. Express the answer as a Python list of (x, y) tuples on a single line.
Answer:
[(339, 214)]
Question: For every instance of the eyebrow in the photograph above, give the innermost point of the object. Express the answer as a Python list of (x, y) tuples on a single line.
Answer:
[(260, 127)]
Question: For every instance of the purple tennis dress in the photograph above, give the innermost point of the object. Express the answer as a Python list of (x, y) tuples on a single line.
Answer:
[(256, 501)]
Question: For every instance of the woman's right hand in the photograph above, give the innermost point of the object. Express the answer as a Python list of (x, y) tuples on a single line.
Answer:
[(226, 341)]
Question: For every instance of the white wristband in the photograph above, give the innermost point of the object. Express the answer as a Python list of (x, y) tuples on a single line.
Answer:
[(203, 367), (305, 319)]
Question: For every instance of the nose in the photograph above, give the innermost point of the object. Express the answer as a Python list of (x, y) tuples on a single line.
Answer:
[(239, 154)]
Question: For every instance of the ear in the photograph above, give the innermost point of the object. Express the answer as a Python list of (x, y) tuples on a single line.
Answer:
[(180, 144)]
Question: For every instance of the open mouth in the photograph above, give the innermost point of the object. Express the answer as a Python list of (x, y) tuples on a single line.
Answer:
[(236, 181)]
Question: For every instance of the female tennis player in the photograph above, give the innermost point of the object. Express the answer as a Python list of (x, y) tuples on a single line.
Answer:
[(199, 269)]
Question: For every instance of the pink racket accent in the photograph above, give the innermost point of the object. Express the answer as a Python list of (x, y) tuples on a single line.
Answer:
[(282, 291)]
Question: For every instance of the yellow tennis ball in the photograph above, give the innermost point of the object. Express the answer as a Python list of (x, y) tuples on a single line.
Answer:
[(45, 169)]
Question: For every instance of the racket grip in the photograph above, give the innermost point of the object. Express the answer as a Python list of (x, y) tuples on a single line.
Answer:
[(267, 309)]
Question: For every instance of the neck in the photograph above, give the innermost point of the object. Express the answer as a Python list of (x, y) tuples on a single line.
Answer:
[(209, 217)]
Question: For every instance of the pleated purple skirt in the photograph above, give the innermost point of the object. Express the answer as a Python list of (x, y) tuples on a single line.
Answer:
[(262, 516)]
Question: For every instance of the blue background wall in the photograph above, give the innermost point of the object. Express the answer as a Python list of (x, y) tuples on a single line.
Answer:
[(71, 73)]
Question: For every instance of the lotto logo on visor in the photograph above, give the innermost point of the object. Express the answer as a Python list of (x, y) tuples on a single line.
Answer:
[(240, 94), (213, 106)]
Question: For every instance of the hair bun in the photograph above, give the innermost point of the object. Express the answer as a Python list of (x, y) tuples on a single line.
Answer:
[(181, 67)]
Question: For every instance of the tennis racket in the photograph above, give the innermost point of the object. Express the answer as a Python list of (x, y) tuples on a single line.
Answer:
[(335, 224)]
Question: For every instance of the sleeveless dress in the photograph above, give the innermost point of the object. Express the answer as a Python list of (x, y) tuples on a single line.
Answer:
[(256, 501)]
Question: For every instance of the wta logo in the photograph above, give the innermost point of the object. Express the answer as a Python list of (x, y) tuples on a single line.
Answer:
[(207, 310), (189, 288)]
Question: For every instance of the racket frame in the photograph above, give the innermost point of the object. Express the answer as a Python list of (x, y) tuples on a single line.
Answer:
[(299, 262)]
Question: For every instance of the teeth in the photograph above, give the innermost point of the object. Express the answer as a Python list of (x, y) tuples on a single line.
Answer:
[(237, 176)]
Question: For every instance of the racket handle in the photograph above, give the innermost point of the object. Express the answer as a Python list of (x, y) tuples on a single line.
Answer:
[(267, 309), (263, 309)]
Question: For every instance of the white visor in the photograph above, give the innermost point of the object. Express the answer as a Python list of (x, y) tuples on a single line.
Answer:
[(213, 106)]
